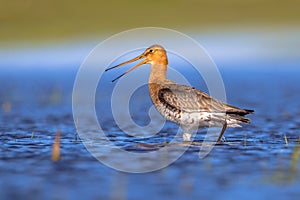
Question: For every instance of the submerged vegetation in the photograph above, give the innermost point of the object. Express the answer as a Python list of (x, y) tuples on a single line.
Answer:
[(56, 148)]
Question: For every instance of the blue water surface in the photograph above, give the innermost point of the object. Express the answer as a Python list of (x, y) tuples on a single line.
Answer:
[(257, 161)]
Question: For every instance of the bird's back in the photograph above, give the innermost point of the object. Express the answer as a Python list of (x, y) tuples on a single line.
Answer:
[(187, 105)]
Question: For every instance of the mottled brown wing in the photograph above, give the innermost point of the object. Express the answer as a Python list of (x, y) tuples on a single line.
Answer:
[(189, 99)]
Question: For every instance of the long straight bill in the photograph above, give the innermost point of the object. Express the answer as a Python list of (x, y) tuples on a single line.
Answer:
[(136, 66), (124, 63)]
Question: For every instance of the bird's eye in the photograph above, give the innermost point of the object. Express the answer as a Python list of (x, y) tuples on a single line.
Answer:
[(151, 50)]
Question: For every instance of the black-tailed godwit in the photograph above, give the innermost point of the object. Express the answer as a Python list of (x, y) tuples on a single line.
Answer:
[(184, 105)]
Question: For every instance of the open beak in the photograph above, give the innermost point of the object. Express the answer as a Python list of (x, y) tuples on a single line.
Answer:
[(127, 62)]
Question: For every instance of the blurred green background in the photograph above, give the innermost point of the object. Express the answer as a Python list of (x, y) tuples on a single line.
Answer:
[(35, 20)]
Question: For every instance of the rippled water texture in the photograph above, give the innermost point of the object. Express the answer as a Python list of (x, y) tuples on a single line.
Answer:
[(256, 162)]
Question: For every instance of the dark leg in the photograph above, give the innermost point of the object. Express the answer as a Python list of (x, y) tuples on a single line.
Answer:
[(222, 132)]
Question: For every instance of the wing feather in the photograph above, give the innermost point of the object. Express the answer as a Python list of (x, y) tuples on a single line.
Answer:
[(190, 99)]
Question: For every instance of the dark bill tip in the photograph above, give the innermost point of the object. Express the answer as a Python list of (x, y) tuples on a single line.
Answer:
[(118, 77), (111, 68)]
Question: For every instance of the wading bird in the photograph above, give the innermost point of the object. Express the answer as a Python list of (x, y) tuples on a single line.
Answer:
[(184, 105)]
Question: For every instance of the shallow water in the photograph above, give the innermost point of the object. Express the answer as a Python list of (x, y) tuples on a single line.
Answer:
[(255, 161)]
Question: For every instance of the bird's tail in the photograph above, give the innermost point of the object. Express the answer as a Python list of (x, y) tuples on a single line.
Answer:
[(239, 119), (239, 112), (239, 116)]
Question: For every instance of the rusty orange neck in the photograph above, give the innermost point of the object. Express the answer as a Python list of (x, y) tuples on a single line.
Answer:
[(159, 65), (158, 73)]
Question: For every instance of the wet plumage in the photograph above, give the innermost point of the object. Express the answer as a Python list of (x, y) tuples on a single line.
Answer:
[(184, 105)]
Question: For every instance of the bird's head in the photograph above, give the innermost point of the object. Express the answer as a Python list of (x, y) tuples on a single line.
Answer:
[(154, 55)]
